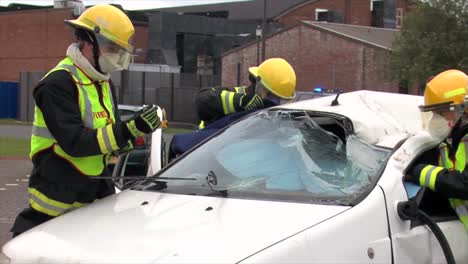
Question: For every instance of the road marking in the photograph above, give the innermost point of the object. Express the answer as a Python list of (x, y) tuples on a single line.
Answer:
[(2, 189), (17, 179), (25, 180), (11, 184), (27, 175)]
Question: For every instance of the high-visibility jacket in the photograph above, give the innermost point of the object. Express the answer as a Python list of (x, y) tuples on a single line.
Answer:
[(91, 104), (214, 103), (450, 177), (59, 181)]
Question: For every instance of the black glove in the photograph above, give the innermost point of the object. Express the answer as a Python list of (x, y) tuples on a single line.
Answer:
[(144, 122), (127, 148), (251, 101)]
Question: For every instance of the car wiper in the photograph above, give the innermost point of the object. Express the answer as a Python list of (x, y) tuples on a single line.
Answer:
[(139, 178), (212, 179), (159, 181)]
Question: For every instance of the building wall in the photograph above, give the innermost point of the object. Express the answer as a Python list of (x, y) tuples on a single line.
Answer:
[(140, 41), (355, 12), (32, 40), (35, 40), (320, 59)]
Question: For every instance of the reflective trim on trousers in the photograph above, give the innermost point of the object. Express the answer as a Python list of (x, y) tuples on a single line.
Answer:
[(51, 207)]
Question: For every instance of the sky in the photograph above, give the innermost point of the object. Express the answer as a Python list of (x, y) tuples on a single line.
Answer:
[(126, 4)]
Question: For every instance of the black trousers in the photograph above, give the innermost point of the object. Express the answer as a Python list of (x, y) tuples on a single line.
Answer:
[(27, 219)]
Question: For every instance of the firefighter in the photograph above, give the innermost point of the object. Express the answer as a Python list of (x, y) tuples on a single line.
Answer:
[(443, 110), (271, 82), (75, 126), (274, 82)]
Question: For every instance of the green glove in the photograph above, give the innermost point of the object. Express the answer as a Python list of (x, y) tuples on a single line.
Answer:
[(250, 102), (145, 122)]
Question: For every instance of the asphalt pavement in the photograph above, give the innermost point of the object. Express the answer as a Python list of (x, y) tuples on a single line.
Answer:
[(14, 173), (13, 193)]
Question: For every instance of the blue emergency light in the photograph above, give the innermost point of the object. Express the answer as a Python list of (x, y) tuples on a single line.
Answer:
[(318, 90)]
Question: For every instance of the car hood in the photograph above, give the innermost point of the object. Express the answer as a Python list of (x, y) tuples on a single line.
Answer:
[(151, 227)]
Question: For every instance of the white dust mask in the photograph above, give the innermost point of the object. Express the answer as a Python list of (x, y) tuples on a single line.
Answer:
[(438, 127), (109, 62)]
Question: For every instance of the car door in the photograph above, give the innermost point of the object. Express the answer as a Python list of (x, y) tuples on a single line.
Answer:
[(413, 241), (417, 243)]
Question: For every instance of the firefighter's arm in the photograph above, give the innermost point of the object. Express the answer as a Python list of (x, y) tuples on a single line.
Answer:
[(59, 105), (452, 183), (214, 103)]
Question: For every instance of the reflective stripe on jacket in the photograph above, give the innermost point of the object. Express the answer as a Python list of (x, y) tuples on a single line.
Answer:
[(227, 99)]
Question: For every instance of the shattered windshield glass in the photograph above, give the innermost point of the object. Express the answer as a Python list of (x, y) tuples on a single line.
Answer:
[(279, 155)]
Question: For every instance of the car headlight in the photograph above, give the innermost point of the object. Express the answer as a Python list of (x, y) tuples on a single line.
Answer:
[(4, 259)]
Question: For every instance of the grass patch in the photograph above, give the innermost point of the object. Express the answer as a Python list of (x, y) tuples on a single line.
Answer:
[(7, 121), (14, 147)]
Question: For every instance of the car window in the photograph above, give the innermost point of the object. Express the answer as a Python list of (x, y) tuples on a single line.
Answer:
[(279, 155)]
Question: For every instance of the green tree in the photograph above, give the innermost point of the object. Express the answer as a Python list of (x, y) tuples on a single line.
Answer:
[(433, 38)]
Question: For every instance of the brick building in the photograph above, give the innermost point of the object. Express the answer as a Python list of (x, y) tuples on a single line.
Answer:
[(377, 13), (326, 55), (35, 40)]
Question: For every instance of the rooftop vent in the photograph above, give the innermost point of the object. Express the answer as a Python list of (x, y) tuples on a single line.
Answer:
[(77, 5)]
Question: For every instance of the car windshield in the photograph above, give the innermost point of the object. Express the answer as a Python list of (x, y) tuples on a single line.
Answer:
[(284, 155)]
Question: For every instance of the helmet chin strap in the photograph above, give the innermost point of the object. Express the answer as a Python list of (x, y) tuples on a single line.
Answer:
[(95, 51), (96, 57)]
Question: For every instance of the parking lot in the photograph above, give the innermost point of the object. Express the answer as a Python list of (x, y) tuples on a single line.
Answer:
[(14, 173), (13, 198)]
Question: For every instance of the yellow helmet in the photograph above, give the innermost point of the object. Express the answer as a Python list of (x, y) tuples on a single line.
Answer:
[(277, 76), (107, 21), (445, 90)]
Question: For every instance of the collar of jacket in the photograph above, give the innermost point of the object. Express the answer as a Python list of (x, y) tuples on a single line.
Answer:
[(459, 131), (74, 53)]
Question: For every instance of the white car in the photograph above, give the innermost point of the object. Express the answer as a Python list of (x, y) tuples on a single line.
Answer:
[(306, 182)]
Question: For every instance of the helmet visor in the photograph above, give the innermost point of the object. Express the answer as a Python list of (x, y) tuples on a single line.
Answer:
[(451, 113), (265, 93), (115, 55)]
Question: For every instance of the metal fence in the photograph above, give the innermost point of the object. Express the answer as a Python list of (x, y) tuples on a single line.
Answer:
[(175, 92)]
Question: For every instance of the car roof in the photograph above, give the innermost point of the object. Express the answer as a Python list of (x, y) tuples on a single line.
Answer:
[(379, 118)]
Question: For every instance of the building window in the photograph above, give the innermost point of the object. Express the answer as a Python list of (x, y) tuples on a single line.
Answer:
[(321, 14), (328, 15), (399, 17)]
